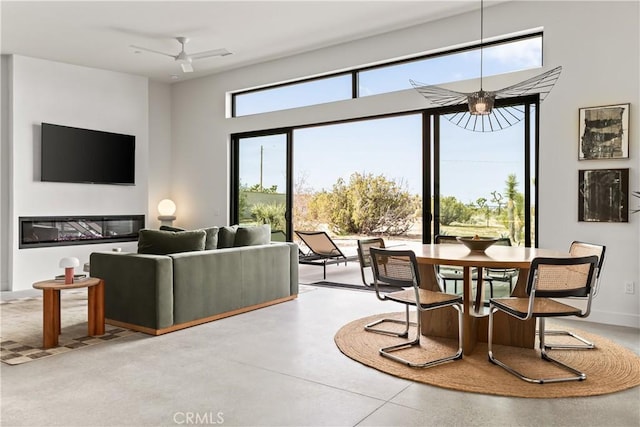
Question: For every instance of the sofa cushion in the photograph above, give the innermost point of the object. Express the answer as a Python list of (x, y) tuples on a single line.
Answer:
[(251, 236), (227, 236), (159, 242)]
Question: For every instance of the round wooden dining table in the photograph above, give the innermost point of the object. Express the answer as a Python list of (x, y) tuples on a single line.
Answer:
[(443, 322)]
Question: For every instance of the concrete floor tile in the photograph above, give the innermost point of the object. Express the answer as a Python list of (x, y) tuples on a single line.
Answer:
[(277, 366)]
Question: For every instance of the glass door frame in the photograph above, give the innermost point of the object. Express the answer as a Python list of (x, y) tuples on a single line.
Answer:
[(432, 119), (234, 182)]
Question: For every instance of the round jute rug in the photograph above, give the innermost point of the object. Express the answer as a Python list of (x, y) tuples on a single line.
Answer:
[(609, 367)]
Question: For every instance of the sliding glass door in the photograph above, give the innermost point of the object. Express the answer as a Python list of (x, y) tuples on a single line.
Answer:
[(360, 179), (260, 181), (483, 183)]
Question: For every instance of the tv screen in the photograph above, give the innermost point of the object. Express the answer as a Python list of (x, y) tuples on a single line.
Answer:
[(87, 156)]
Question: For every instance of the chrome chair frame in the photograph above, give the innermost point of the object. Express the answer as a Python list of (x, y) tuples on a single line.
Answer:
[(576, 249), (444, 273), (413, 297), (542, 305), (365, 262)]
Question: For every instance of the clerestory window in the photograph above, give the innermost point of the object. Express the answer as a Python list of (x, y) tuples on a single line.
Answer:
[(499, 57)]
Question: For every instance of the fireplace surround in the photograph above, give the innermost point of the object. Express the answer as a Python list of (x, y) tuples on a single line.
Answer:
[(45, 231)]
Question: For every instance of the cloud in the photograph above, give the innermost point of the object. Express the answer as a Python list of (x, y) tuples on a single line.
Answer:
[(526, 53)]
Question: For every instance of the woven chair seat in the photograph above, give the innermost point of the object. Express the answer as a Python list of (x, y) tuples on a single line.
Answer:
[(428, 299), (542, 307)]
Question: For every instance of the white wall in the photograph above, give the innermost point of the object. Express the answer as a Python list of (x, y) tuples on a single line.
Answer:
[(46, 91), (159, 176), (4, 170), (597, 43)]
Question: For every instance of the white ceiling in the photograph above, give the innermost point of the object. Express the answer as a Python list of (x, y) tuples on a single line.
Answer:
[(98, 33)]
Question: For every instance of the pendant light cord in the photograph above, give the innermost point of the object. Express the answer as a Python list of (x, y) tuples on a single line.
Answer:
[(481, 37)]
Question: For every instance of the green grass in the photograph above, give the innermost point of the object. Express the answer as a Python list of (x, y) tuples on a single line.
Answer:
[(473, 229)]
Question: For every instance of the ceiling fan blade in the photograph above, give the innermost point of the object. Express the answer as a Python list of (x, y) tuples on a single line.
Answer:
[(210, 53), (152, 51), (186, 67)]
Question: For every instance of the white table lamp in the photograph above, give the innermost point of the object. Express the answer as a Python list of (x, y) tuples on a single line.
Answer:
[(167, 210)]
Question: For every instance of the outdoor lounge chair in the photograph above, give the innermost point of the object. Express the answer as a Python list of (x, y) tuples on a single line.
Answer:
[(322, 250)]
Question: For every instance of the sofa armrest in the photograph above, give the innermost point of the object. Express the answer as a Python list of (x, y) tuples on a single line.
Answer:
[(293, 247), (138, 288)]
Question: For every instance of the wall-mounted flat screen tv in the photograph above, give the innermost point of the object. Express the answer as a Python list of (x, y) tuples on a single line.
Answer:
[(87, 156)]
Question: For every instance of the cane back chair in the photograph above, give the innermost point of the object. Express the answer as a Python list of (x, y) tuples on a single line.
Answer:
[(364, 245), (580, 249), (548, 278), (363, 255), (400, 268)]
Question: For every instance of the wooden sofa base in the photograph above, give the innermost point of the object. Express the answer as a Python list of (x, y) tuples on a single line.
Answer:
[(152, 331)]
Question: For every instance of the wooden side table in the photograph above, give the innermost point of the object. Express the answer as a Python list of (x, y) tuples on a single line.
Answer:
[(51, 307)]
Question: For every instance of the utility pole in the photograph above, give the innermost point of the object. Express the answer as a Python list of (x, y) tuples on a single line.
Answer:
[(261, 158)]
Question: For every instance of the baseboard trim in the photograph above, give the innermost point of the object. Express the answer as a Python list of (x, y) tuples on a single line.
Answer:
[(162, 331), (613, 318)]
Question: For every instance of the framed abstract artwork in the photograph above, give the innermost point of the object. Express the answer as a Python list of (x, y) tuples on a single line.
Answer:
[(604, 132), (603, 195)]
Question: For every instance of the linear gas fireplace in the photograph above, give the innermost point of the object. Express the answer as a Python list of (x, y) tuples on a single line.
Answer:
[(42, 231)]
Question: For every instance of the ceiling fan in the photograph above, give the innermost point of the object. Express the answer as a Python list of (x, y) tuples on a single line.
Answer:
[(185, 59)]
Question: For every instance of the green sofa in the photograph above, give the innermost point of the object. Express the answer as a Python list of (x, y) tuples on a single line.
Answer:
[(157, 294)]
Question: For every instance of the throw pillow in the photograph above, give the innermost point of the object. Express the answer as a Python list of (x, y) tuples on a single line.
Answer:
[(250, 236), (159, 242), (227, 236), (212, 238), (212, 235)]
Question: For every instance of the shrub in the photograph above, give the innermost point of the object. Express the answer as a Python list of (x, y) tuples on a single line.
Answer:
[(452, 210), (368, 204), (271, 213)]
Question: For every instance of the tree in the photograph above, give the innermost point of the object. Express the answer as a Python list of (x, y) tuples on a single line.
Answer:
[(514, 219), (367, 204), (484, 208), (305, 214), (497, 198)]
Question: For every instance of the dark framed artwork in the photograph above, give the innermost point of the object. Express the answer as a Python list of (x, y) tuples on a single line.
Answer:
[(603, 195), (604, 132)]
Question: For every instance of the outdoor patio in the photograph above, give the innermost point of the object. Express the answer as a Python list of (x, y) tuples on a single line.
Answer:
[(349, 274)]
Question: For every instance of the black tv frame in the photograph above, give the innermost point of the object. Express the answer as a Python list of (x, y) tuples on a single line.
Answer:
[(110, 159)]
